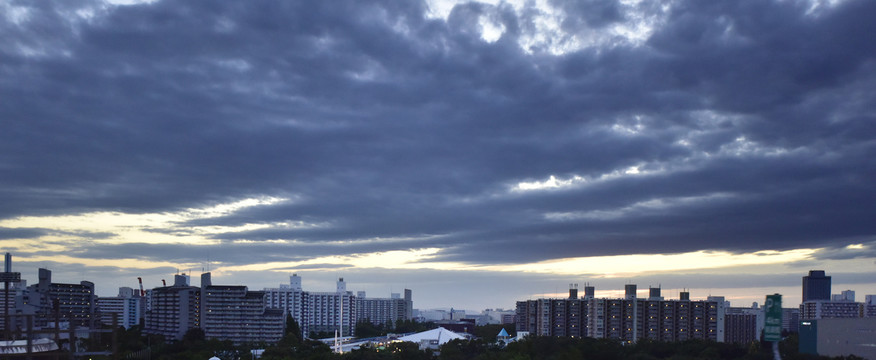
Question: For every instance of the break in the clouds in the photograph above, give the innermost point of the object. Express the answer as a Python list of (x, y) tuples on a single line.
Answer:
[(437, 136)]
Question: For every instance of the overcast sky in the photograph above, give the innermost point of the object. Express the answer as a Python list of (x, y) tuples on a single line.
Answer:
[(476, 153)]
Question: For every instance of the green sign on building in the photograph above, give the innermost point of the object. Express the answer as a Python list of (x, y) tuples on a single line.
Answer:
[(772, 329)]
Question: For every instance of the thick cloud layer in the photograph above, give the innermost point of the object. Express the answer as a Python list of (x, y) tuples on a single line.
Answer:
[(616, 129)]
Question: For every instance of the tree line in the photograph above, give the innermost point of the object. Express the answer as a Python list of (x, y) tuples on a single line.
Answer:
[(484, 347)]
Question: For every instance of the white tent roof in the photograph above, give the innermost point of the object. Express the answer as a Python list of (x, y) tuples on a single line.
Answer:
[(441, 334), (20, 346)]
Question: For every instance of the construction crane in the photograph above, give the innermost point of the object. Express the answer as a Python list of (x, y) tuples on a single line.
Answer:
[(142, 292)]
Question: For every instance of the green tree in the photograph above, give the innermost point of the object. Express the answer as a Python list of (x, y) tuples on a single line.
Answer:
[(411, 326), (490, 331), (459, 349), (366, 329), (285, 348), (408, 351), (292, 328)]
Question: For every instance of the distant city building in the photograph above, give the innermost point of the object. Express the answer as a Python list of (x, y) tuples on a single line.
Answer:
[(790, 320), (822, 309), (232, 312), (327, 312), (75, 304), (743, 325), (817, 305), (316, 311), (223, 312), (432, 314), (381, 311), (293, 300), (870, 306), (128, 308), (440, 314), (333, 311), (628, 319), (15, 305), (479, 319), (816, 286), (461, 326), (847, 295), (174, 309), (499, 316)]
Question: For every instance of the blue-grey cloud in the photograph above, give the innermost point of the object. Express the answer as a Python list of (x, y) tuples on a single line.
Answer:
[(21, 233), (866, 249), (387, 123)]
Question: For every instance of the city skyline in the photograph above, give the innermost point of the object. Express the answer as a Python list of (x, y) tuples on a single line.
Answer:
[(477, 153), (742, 297)]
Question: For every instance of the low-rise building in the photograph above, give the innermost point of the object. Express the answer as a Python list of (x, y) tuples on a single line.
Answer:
[(838, 337), (823, 309)]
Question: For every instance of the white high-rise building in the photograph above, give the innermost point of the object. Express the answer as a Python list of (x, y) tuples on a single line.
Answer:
[(330, 312), (128, 307), (292, 300), (327, 312), (384, 310), (316, 311)]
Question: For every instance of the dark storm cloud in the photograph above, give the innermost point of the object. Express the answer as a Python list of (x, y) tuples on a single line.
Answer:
[(384, 123), (590, 13), (20, 233), (866, 249), (231, 254), (34, 233)]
